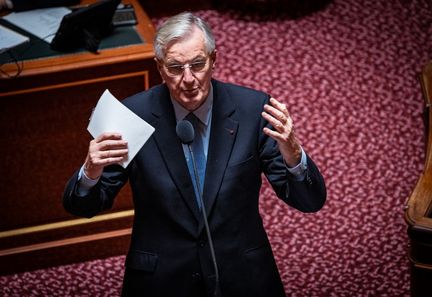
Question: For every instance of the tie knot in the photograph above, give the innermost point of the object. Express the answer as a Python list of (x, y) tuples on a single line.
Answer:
[(193, 119)]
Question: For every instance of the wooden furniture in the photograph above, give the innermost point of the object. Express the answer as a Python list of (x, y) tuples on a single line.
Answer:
[(418, 212), (44, 114)]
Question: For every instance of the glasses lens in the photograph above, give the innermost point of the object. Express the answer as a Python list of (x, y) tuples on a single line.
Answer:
[(197, 66), (175, 69), (178, 69)]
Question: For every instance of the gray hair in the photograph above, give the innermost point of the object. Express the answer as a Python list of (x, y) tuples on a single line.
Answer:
[(179, 27)]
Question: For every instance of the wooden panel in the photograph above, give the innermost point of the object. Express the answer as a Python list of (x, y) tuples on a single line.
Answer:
[(421, 276), (48, 141), (44, 115), (58, 252), (418, 208)]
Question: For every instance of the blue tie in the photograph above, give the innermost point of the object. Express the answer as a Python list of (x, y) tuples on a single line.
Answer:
[(200, 159)]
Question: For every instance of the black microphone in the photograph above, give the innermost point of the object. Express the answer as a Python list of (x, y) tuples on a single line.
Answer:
[(185, 131)]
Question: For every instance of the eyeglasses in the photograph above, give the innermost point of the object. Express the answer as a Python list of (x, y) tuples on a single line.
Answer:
[(179, 69)]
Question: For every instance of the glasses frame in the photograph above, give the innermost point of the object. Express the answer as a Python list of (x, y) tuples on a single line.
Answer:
[(181, 68)]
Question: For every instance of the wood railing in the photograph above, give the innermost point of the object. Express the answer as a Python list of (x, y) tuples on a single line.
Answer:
[(418, 213)]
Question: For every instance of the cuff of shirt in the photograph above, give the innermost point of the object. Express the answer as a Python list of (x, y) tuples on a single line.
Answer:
[(85, 184), (299, 171)]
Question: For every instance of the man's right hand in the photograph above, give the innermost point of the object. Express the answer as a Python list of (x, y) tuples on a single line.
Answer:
[(106, 149)]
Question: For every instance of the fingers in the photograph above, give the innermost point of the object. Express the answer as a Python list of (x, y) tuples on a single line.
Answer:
[(279, 108), (278, 116), (108, 135), (109, 144), (107, 148), (276, 113), (104, 150), (104, 158)]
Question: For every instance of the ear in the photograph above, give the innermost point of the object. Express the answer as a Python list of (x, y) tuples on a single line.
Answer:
[(213, 57), (159, 67)]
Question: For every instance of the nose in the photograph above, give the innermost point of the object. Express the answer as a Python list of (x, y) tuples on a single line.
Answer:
[(188, 76)]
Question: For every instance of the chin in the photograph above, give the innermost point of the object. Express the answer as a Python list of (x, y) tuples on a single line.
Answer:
[(192, 103)]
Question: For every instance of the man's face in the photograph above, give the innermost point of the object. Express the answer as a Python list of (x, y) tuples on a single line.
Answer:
[(188, 85)]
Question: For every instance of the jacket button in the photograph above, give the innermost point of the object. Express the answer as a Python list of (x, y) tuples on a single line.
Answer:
[(196, 277), (201, 243)]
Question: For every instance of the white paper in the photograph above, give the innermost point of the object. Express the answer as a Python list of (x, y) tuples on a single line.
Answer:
[(10, 39), (43, 23), (110, 115)]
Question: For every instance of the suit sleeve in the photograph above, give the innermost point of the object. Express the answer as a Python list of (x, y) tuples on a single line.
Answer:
[(101, 196)]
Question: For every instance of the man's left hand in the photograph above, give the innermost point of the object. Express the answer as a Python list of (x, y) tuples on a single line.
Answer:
[(276, 113)]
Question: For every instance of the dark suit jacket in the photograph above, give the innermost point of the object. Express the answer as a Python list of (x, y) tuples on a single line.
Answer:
[(169, 250)]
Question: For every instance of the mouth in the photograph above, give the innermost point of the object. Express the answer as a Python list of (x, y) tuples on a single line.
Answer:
[(191, 91)]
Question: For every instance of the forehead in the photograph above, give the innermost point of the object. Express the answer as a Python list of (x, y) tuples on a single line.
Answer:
[(187, 48)]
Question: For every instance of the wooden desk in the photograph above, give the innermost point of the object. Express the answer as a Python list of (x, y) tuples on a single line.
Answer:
[(418, 213), (43, 119)]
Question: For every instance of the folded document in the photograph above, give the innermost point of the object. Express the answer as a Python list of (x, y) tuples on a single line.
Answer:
[(110, 115)]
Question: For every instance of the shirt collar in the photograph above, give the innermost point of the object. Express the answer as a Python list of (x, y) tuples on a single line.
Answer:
[(203, 113)]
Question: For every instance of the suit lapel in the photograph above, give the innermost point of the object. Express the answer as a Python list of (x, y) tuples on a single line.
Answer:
[(171, 149), (222, 137)]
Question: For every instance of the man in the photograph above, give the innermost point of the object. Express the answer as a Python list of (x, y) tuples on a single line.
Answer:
[(243, 132)]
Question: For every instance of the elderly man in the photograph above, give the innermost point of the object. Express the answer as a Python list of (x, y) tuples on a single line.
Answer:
[(242, 133)]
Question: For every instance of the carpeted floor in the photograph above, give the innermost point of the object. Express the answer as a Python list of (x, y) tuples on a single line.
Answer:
[(349, 77)]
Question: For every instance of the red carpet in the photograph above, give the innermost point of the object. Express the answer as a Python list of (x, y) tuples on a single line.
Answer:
[(349, 77)]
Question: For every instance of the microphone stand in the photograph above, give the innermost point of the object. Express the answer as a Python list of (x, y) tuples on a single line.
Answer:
[(217, 291)]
